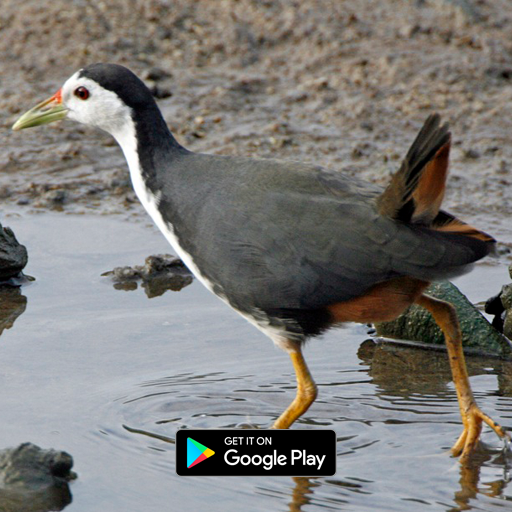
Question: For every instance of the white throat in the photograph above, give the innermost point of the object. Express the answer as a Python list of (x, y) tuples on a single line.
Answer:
[(127, 140)]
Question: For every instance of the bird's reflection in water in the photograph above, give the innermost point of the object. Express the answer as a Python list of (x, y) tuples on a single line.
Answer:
[(427, 372), (301, 492), (470, 486), (12, 304)]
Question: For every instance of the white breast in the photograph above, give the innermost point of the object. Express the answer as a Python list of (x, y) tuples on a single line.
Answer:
[(128, 142)]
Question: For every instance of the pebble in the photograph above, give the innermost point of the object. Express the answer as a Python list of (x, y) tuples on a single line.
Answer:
[(155, 74)]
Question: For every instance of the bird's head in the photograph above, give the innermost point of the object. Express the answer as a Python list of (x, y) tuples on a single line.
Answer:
[(101, 95)]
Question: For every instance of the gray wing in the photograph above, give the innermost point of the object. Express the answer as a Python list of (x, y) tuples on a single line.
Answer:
[(311, 241)]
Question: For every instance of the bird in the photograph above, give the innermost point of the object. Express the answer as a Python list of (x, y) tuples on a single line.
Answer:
[(294, 248)]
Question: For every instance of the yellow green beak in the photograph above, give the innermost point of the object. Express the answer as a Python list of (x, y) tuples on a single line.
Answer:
[(46, 112)]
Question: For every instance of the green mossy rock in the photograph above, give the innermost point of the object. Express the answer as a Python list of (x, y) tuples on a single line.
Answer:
[(417, 324)]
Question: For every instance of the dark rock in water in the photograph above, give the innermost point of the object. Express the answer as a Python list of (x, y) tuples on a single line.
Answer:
[(160, 273), (494, 306), (13, 255), (32, 467), (34, 480), (501, 307), (418, 325)]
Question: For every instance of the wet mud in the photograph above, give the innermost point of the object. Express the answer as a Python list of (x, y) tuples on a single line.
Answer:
[(344, 85)]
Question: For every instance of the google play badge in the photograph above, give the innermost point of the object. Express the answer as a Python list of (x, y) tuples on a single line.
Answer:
[(196, 452)]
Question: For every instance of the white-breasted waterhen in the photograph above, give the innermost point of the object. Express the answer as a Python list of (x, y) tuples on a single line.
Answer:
[(294, 248)]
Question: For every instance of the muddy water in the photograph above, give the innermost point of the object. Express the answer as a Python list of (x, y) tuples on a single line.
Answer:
[(110, 375)]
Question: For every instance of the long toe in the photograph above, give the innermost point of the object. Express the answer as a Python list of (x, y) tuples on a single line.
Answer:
[(473, 420)]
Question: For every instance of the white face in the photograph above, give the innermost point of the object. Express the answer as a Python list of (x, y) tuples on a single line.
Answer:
[(91, 104)]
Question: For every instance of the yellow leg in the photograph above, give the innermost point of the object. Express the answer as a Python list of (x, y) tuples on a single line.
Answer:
[(306, 391), (472, 417)]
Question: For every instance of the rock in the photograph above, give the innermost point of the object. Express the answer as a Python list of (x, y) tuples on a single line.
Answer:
[(34, 480), (501, 307), (57, 196), (506, 296), (156, 74), (499, 71), (506, 300), (161, 263), (417, 324), (409, 31), (471, 154), (160, 273), (13, 255), (494, 306), (159, 92)]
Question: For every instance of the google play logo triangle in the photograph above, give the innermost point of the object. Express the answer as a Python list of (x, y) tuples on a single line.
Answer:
[(196, 452)]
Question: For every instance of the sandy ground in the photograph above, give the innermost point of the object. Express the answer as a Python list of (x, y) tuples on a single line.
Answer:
[(344, 84)]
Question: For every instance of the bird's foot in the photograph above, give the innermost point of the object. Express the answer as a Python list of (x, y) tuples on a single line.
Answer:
[(473, 419)]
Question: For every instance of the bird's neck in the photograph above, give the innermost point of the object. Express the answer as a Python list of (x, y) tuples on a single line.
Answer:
[(152, 153), (149, 149)]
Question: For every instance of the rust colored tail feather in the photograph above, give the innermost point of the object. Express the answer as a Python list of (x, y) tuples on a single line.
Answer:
[(429, 192), (416, 191), (447, 223)]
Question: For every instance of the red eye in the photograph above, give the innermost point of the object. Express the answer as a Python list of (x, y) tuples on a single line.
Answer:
[(82, 93)]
